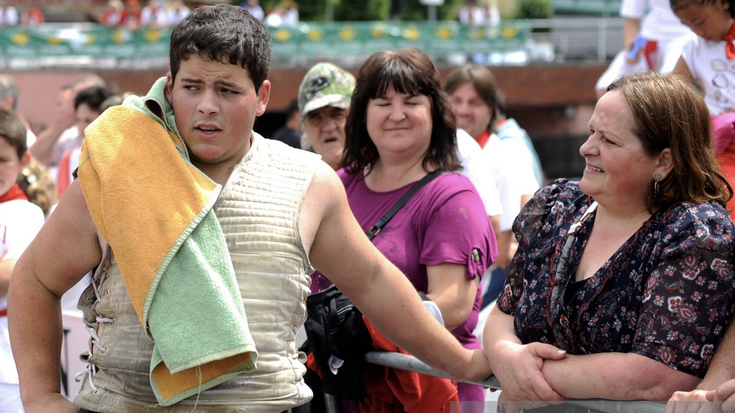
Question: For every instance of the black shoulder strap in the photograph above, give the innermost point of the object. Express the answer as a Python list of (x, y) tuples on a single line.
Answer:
[(375, 230)]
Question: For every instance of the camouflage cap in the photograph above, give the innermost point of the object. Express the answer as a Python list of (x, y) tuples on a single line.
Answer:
[(325, 85)]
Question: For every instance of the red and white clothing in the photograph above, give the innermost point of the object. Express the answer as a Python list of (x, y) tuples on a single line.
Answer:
[(661, 27), (713, 71)]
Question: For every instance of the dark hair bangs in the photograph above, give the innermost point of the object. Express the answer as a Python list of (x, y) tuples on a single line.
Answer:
[(400, 76)]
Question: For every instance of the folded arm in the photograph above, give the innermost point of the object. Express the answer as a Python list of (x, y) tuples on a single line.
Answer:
[(518, 366), (615, 376)]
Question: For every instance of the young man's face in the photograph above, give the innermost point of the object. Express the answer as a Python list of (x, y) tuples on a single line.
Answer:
[(215, 106)]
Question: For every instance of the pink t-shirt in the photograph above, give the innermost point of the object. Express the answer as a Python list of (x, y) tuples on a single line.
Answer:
[(444, 222)]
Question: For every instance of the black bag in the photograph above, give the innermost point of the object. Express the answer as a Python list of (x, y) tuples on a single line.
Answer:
[(334, 326)]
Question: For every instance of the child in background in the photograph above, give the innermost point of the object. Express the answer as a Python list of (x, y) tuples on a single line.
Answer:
[(708, 60), (20, 221), (659, 35)]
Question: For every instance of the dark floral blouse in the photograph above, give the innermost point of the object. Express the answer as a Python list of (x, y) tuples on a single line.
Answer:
[(666, 294)]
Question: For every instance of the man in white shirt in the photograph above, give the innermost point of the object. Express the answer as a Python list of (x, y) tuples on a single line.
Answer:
[(472, 92)]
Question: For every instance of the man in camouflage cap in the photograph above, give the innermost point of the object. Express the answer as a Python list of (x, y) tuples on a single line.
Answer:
[(324, 97)]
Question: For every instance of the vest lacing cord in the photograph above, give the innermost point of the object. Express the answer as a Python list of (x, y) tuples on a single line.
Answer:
[(94, 339)]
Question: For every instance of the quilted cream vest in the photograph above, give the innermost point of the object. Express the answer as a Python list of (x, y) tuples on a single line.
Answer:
[(258, 210)]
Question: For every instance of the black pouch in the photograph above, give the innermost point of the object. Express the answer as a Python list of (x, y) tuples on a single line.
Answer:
[(335, 328)]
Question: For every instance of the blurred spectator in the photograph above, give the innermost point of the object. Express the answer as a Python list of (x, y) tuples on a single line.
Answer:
[(88, 105), (276, 17), (508, 129), (61, 134), (153, 16), (113, 14), (471, 14), (8, 15), (291, 16), (653, 23), (70, 161), (131, 15), (32, 17), (9, 96), (492, 13), (290, 133), (177, 12), (35, 181), (254, 8)]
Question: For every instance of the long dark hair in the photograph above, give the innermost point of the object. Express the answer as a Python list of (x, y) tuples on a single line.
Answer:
[(409, 71)]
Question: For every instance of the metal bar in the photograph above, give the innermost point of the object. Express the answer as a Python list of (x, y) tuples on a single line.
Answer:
[(410, 363), (331, 403), (602, 41)]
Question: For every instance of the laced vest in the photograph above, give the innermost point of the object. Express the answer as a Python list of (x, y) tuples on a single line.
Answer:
[(258, 210)]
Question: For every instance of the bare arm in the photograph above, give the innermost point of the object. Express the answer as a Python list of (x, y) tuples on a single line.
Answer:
[(630, 30), (66, 248), (615, 376), (495, 222), (452, 292), (506, 249), (343, 253), (718, 384), (722, 367)]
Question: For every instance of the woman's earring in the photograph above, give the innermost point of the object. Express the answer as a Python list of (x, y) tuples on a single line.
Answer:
[(656, 180)]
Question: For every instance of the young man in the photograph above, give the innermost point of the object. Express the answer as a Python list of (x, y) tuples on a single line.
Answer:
[(472, 92), (278, 212)]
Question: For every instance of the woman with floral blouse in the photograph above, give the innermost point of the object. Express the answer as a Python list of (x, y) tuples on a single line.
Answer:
[(623, 282)]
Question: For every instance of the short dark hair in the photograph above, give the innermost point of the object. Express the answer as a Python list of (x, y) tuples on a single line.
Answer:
[(223, 33), (292, 108), (13, 131), (408, 71), (658, 103), (93, 96), (679, 4), (8, 88)]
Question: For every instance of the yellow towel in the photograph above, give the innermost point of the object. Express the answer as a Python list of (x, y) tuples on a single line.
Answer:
[(154, 208)]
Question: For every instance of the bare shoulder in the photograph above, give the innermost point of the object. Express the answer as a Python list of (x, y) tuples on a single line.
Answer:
[(324, 197)]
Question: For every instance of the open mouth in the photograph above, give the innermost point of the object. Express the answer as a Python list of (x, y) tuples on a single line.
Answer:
[(592, 168), (208, 129), (330, 140)]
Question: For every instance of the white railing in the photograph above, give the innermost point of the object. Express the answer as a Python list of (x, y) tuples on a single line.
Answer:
[(580, 39)]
